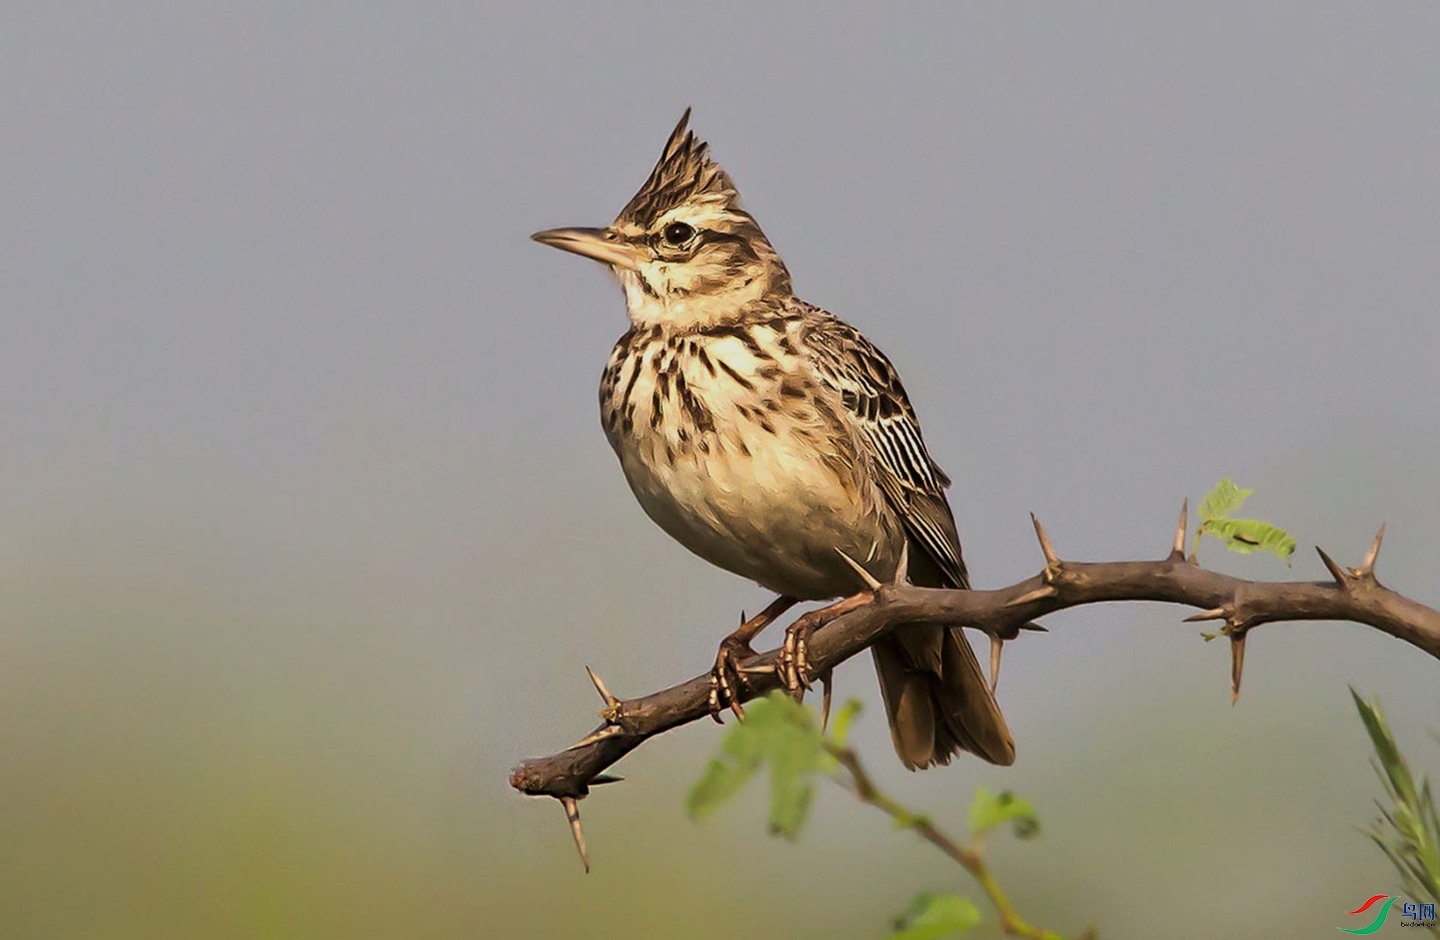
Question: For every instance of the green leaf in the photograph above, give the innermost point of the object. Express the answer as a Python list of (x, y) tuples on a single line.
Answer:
[(1251, 535), (720, 782), (933, 915), (1240, 535), (1396, 773), (989, 810), (1409, 829), (1223, 501), (793, 762), (778, 732), (840, 727)]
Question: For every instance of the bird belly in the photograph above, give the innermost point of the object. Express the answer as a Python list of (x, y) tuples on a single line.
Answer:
[(778, 520)]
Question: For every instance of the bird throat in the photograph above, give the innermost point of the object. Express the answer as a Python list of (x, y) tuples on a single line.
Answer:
[(652, 300)]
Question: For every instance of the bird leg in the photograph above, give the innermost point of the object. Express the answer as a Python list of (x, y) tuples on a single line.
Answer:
[(734, 650), (792, 663)]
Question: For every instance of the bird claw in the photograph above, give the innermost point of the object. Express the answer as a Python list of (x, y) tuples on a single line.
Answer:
[(728, 676), (792, 664)]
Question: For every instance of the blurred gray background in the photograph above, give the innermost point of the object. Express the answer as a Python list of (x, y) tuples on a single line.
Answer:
[(307, 525)]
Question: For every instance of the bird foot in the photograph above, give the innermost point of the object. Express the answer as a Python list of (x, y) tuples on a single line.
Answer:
[(792, 662), (727, 676), (730, 669)]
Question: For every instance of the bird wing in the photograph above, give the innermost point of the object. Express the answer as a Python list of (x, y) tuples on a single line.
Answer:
[(873, 397)]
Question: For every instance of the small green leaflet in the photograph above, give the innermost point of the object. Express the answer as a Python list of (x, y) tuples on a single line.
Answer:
[(989, 810), (1240, 535), (777, 731), (1223, 501), (931, 916)]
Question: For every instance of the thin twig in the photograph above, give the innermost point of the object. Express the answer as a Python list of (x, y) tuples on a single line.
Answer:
[(968, 857)]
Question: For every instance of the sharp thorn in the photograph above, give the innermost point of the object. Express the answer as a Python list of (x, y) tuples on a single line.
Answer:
[(742, 618), (1181, 529), (995, 646), (1039, 593), (1034, 627), (1237, 664), (572, 813), (1051, 559), (1214, 613), (865, 576), (609, 731), (1367, 567), (902, 568), (600, 780), (1336, 572), (610, 700), (825, 702)]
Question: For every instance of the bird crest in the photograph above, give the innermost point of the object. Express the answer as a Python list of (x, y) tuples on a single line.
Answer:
[(684, 173)]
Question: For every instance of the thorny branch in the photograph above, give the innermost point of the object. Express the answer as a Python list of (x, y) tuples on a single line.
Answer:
[(1354, 594)]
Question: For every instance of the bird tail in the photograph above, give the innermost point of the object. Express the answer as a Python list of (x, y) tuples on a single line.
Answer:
[(937, 699)]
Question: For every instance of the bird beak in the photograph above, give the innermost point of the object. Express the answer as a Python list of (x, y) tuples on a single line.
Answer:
[(602, 244)]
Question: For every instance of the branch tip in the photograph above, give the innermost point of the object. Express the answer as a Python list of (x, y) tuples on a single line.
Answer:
[(865, 576), (610, 700), (1367, 567), (1051, 559), (572, 814)]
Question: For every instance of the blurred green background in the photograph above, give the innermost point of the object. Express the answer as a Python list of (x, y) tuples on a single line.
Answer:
[(307, 526)]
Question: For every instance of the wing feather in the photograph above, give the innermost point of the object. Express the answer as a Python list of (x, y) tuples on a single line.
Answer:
[(875, 400)]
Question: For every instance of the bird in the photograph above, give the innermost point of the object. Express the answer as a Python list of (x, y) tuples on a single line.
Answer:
[(776, 441)]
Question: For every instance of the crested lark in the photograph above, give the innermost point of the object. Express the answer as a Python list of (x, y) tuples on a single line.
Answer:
[(768, 436)]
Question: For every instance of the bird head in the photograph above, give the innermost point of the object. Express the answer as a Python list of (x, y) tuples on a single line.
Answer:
[(686, 253)]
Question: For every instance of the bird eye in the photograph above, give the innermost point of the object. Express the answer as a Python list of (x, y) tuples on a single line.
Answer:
[(678, 233)]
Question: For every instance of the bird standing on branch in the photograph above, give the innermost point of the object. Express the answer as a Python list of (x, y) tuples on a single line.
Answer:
[(774, 440)]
